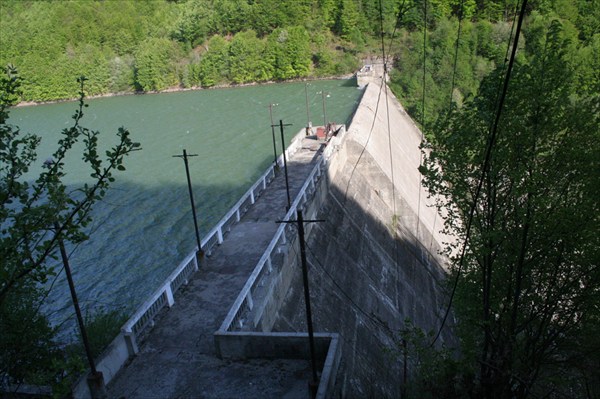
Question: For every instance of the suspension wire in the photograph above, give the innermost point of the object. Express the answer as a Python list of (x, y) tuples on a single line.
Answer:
[(453, 85), (421, 153), (401, 12), (510, 37), (389, 129), (374, 320), (424, 65), (366, 144), (460, 19), (376, 323), (387, 106), (486, 163)]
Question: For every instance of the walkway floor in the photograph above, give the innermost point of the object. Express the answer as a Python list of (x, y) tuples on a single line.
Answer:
[(177, 359)]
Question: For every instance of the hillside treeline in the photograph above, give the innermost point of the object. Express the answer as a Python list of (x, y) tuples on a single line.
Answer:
[(154, 45), (452, 76), (124, 46)]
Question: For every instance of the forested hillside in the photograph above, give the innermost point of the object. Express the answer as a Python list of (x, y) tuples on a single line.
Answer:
[(125, 46)]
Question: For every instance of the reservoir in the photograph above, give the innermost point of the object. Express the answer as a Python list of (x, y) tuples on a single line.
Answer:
[(143, 228)]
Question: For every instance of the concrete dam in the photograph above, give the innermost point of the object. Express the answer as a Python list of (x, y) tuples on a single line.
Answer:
[(374, 261), (233, 324)]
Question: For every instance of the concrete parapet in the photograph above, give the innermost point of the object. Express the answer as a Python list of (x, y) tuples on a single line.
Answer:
[(252, 345), (108, 363)]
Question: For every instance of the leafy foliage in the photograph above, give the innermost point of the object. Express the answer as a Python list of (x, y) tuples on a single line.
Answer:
[(102, 327), (528, 290), (35, 213)]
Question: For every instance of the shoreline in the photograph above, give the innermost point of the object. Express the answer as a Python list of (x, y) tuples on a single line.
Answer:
[(180, 89)]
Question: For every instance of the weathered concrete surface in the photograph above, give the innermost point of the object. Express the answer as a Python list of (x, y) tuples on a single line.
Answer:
[(177, 358), (368, 271)]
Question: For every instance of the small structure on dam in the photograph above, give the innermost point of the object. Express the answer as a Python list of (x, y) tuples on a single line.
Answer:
[(372, 71)]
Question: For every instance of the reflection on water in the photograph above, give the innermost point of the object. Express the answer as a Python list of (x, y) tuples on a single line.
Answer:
[(143, 227)]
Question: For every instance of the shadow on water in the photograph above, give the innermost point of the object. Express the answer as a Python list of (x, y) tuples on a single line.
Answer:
[(138, 236)]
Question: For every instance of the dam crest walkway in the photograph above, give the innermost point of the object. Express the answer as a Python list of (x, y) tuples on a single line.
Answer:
[(178, 358)]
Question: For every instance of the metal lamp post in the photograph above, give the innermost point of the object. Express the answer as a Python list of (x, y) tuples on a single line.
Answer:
[(287, 184), (185, 157), (273, 133), (95, 379), (307, 107), (324, 95), (313, 384)]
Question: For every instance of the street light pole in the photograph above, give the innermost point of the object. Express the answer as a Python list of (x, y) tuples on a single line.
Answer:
[(95, 379), (273, 133), (323, 96), (307, 107), (314, 383), (287, 184), (189, 182)]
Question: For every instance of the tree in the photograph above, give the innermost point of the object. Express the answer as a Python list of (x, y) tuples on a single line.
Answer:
[(155, 69), (213, 67), (34, 216), (191, 26), (246, 60), (349, 17), (528, 290), (288, 50)]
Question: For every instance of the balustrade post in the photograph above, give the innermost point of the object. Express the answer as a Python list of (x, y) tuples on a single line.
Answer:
[(269, 264), (220, 234), (131, 343), (252, 197), (169, 294), (237, 215), (249, 300)]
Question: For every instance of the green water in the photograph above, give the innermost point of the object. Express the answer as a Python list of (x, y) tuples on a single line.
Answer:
[(143, 228)]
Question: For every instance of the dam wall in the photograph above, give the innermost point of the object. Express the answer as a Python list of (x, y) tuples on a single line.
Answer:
[(375, 261)]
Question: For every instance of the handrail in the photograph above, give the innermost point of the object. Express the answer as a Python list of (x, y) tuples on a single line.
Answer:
[(245, 295), (165, 288), (217, 230)]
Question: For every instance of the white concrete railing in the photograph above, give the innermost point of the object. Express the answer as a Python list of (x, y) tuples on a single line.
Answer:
[(161, 297), (245, 301), (216, 235)]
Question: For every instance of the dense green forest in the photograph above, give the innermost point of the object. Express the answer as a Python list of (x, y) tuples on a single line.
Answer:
[(125, 46), (533, 253)]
